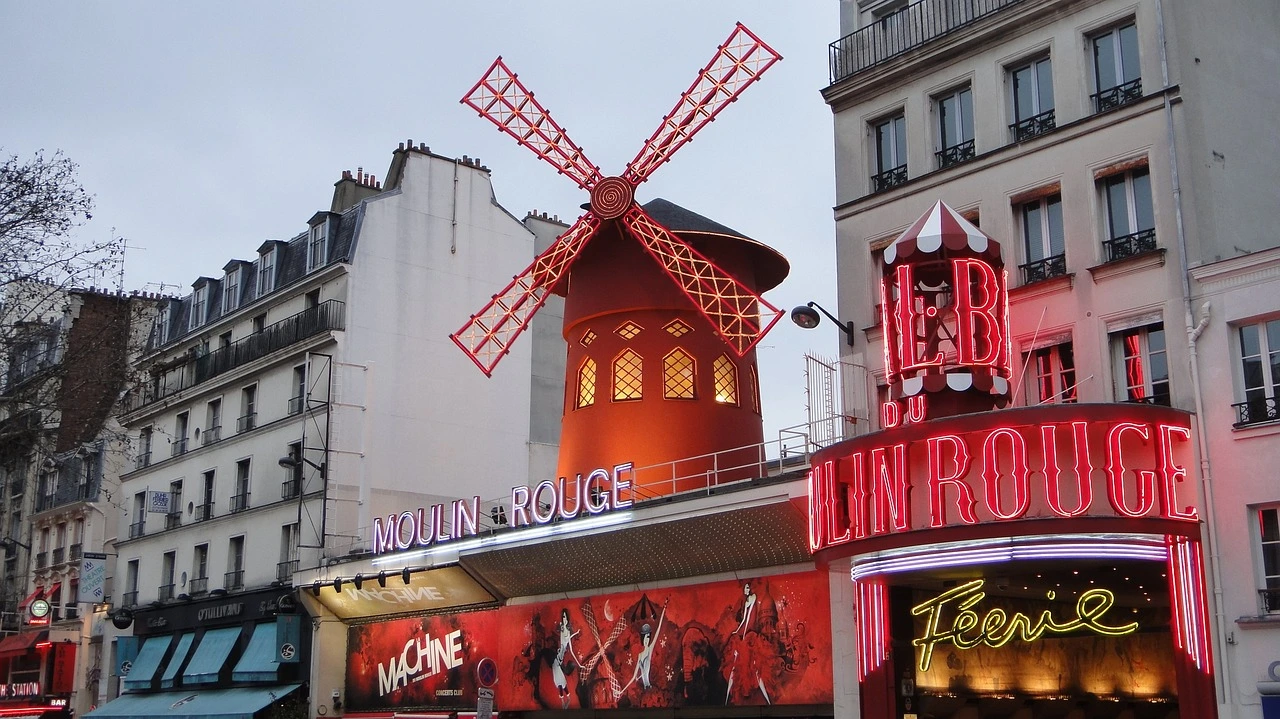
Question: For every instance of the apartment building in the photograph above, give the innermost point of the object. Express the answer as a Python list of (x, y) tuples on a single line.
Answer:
[(306, 389), (1121, 153)]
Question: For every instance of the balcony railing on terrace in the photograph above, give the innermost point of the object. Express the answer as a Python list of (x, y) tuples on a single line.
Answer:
[(239, 502), (955, 154), (1032, 126), (143, 460), (1114, 97), (204, 511), (904, 30), (59, 555), (1255, 411), (74, 552), (1130, 245), (211, 435), (199, 585), (889, 178), (129, 599), (233, 580), (247, 422), (165, 592), (173, 520), (289, 489), (179, 447), (286, 570), (326, 316), (1047, 268), (136, 530), (42, 560), (1270, 600)]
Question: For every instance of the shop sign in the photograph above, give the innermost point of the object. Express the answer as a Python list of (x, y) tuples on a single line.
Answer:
[(1063, 462), (432, 590), (996, 627), (601, 491), (19, 690), (253, 606)]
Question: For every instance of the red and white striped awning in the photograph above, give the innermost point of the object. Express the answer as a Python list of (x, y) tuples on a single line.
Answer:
[(941, 227)]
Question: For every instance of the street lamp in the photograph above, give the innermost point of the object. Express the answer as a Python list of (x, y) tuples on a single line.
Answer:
[(9, 544), (805, 316), (291, 462)]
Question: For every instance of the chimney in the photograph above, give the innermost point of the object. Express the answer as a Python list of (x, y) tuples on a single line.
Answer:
[(351, 189)]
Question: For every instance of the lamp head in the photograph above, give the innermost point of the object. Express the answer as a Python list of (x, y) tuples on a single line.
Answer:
[(288, 461), (805, 316)]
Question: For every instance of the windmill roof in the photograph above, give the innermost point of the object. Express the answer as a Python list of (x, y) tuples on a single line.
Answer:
[(771, 266)]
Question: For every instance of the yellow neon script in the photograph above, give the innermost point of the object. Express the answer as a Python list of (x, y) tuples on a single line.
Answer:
[(996, 628)]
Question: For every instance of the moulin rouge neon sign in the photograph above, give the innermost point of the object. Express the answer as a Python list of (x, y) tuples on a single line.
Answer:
[(996, 628), (599, 492), (1044, 462)]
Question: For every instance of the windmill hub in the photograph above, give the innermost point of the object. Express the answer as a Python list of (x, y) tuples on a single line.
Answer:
[(611, 197)]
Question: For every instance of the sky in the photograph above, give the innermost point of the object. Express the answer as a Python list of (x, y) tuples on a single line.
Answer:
[(203, 129)]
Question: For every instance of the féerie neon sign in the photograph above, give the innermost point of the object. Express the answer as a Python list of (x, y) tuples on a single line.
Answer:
[(997, 628)]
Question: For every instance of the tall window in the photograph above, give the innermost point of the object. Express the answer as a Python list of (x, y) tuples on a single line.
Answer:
[(180, 425), (199, 306), (1269, 543), (1033, 110), (891, 153), (267, 271), (1260, 371), (231, 290), (297, 402), (1131, 219), (213, 422), (162, 324), (174, 518), (240, 500), (292, 486), (1116, 74), (1052, 371), (955, 127), (209, 484), (200, 570), (288, 563), (234, 578), (586, 384), (725, 373), (628, 376), (317, 246), (130, 597), (678, 373), (1141, 365), (248, 409), (1043, 239), (139, 515), (166, 575)]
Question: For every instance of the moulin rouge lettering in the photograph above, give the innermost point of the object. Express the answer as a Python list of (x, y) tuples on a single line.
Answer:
[(600, 491), (997, 628), (421, 658), (975, 477)]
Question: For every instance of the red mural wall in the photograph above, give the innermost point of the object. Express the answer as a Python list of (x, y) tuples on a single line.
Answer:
[(740, 643)]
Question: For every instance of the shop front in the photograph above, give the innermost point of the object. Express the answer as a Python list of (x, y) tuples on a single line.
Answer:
[(37, 665)]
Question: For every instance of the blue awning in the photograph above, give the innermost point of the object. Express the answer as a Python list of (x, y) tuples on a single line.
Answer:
[(241, 703), (259, 661), (210, 655), (175, 662), (146, 663)]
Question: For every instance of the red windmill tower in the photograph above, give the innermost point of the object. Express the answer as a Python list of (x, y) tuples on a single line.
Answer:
[(661, 320)]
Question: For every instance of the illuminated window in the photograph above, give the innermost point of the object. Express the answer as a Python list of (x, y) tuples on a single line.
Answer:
[(588, 337), (726, 376), (587, 383), (628, 376), (1269, 543), (628, 329), (677, 375), (755, 390), (1141, 365), (676, 328), (1052, 371)]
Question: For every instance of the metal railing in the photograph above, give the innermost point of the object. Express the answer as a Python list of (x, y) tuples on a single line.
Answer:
[(904, 30), (286, 570), (289, 489), (296, 405), (955, 154), (179, 447), (239, 502), (204, 511), (198, 585), (1114, 97), (247, 422), (59, 555), (1041, 270), (211, 435), (889, 179), (1032, 126), (136, 529), (42, 560), (74, 552), (1270, 599), (1255, 411), (324, 317), (173, 520), (129, 599), (165, 592), (233, 580), (44, 501), (1130, 245), (143, 461)]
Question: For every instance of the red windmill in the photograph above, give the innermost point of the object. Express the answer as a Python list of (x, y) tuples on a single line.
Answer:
[(603, 283)]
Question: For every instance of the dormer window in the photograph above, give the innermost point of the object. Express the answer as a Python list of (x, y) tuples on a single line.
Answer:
[(162, 324), (231, 290), (318, 246), (199, 306), (267, 271)]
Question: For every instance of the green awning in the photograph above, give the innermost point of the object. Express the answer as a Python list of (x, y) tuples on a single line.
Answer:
[(210, 655), (259, 661), (240, 703), (175, 662), (146, 663)]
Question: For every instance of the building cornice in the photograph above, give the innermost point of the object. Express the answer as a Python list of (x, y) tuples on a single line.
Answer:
[(1238, 271)]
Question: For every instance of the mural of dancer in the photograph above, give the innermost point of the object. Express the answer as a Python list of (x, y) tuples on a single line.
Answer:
[(565, 658)]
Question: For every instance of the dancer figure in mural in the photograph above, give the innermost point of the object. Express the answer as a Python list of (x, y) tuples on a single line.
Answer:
[(746, 610), (645, 658), (565, 656)]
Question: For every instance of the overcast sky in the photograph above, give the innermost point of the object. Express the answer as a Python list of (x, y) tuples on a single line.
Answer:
[(203, 129)]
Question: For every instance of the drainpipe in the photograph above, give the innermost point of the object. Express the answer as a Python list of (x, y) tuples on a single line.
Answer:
[(453, 228), (1223, 676)]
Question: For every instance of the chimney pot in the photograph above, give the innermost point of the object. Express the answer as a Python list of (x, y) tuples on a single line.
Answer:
[(423, 146)]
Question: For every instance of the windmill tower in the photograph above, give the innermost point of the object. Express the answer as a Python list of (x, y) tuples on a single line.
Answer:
[(662, 306)]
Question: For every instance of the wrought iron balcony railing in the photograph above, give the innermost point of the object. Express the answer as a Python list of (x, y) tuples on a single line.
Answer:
[(289, 489), (165, 592), (239, 502), (204, 511), (198, 585), (44, 501), (889, 179), (74, 552), (211, 435), (1270, 599), (136, 529), (905, 30), (178, 447), (42, 560), (1114, 97), (129, 599), (1047, 268), (296, 405), (233, 580), (955, 154), (1130, 245), (1035, 125), (173, 520), (324, 317), (247, 422), (143, 460), (1256, 411), (286, 570), (59, 555)]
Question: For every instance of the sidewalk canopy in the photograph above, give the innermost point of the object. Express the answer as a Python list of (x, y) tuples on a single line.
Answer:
[(240, 703)]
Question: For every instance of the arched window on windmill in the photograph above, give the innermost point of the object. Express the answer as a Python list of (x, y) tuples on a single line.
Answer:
[(586, 384), (726, 380), (678, 375), (628, 376)]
